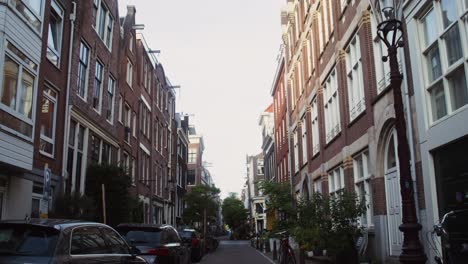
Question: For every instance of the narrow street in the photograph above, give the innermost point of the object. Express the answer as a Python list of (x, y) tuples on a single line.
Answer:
[(235, 252)]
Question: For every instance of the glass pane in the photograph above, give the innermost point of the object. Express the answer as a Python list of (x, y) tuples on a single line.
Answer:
[(434, 67), (16, 124), (46, 147), (25, 104), (458, 89), (391, 155), (439, 107), (35, 5), (87, 241), (10, 79), (453, 45), (430, 31), (47, 117), (115, 243), (449, 11)]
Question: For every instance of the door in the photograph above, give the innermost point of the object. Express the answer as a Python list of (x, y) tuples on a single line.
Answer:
[(393, 196)]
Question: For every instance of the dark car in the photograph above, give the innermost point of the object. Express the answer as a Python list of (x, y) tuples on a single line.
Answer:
[(191, 238), (158, 244), (62, 241)]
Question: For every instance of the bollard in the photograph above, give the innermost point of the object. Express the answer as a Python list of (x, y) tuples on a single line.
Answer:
[(257, 243), (275, 253), (301, 256)]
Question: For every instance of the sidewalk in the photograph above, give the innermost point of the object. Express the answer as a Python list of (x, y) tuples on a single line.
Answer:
[(296, 253)]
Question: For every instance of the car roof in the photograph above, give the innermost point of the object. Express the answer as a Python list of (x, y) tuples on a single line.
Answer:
[(144, 225), (53, 223)]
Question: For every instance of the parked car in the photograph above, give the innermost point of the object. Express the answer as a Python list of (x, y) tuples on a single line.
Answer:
[(158, 244), (62, 241), (192, 239)]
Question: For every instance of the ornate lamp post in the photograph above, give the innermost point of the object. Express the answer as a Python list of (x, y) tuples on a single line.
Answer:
[(390, 30)]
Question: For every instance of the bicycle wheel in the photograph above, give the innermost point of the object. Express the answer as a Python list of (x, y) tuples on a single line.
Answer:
[(291, 258)]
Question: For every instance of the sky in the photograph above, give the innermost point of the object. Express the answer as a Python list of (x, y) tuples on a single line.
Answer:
[(223, 54)]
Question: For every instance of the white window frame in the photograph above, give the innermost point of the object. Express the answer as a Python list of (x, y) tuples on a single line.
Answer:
[(59, 12), (304, 139), (130, 43), (50, 140), (447, 71), (364, 180), (134, 126), (314, 126), (82, 63), (336, 180), (310, 55), (108, 20), (296, 150), (320, 28), (355, 79), (101, 83), (133, 174), (129, 76), (331, 106), (15, 4), (120, 108), (127, 121), (110, 93), (318, 185), (299, 76), (382, 69), (23, 66)]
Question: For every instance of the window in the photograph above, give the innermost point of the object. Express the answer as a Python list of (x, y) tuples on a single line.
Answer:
[(156, 134), (127, 122), (76, 156), (304, 139), (129, 73), (310, 55), (315, 127), (130, 43), (97, 91), (17, 91), (48, 118), (318, 185), (336, 180), (343, 4), (355, 80), (120, 108), (382, 68), (54, 40), (296, 150), (134, 124), (31, 11), (331, 107), (133, 175), (192, 155), (106, 153), (87, 240), (126, 161), (443, 58), (110, 100), (260, 167), (362, 185), (301, 86), (320, 28), (83, 70), (104, 22), (95, 148)]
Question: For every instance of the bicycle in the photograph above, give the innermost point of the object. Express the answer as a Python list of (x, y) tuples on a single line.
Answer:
[(286, 253), (453, 232)]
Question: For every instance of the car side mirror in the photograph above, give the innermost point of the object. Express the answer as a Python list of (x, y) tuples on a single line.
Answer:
[(134, 251)]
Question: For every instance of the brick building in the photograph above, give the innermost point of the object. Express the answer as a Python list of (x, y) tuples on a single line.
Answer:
[(341, 114), (92, 92)]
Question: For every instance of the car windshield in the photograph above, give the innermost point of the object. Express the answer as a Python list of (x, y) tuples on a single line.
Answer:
[(185, 234), (27, 240), (140, 235)]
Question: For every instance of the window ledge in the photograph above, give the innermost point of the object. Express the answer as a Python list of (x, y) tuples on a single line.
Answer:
[(48, 155), (359, 116), (333, 139)]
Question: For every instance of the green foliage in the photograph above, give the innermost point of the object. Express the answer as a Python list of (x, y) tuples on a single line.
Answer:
[(120, 206), (328, 222), (74, 206), (201, 197), (234, 213), (278, 199)]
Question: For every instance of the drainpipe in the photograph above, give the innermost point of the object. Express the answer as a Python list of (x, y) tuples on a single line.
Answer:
[(67, 100)]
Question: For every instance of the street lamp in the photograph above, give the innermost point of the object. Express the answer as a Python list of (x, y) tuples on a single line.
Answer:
[(390, 30)]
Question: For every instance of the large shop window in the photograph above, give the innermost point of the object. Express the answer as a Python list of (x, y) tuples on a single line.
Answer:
[(16, 92)]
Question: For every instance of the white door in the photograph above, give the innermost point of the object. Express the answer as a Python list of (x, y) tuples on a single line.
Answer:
[(393, 196)]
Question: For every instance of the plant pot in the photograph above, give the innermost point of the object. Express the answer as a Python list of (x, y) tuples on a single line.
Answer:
[(310, 254)]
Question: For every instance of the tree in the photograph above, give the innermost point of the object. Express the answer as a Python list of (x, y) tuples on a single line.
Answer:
[(120, 206), (234, 212), (74, 206), (201, 197), (278, 199)]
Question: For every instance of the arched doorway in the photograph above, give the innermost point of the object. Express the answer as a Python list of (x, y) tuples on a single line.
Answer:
[(392, 192)]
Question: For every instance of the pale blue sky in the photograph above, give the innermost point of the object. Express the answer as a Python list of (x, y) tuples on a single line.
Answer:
[(223, 54)]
